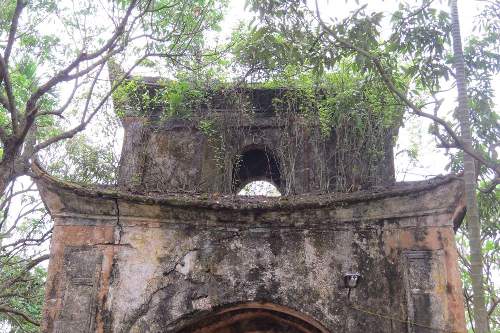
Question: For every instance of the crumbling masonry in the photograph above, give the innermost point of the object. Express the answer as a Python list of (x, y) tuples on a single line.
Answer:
[(171, 249)]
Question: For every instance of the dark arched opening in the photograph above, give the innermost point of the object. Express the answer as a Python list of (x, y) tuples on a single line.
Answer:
[(256, 164), (255, 318)]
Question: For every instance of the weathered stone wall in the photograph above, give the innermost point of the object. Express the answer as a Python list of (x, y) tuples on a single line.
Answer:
[(128, 263), (177, 155)]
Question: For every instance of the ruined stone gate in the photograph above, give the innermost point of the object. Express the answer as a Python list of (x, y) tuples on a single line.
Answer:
[(171, 249)]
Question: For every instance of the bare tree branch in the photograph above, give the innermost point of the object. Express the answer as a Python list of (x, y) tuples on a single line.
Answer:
[(64, 74), (70, 133)]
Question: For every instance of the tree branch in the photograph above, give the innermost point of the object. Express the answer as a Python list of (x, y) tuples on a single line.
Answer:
[(13, 29), (491, 186), (70, 133), (19, 313), (26, 269), (11, 102), (64, 74), (399, 94)]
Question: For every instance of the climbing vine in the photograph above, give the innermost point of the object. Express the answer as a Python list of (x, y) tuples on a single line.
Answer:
[(347, 114)]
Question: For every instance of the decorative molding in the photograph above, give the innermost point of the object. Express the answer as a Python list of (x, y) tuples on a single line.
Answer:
[(82, 268), (425, 275)]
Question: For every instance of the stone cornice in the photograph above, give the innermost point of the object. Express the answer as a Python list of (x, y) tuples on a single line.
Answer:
[(436, 200)]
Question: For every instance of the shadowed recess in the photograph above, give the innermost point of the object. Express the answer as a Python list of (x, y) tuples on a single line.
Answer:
[(254, 165), (255, 318)]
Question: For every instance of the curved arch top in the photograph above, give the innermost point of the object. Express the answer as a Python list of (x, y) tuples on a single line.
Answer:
[(256, 163), (254, 317)]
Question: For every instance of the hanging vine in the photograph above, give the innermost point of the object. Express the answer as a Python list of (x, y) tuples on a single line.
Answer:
[(342, 120)]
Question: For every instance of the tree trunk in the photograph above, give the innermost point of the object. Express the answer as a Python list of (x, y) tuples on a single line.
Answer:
[(6, 176), (474, 228)]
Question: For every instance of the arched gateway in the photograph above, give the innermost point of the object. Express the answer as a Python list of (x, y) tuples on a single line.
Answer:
[(254, 318), (171, 249)]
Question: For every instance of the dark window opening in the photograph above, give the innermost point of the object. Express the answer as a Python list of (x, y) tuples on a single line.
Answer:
[(256, 165)]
